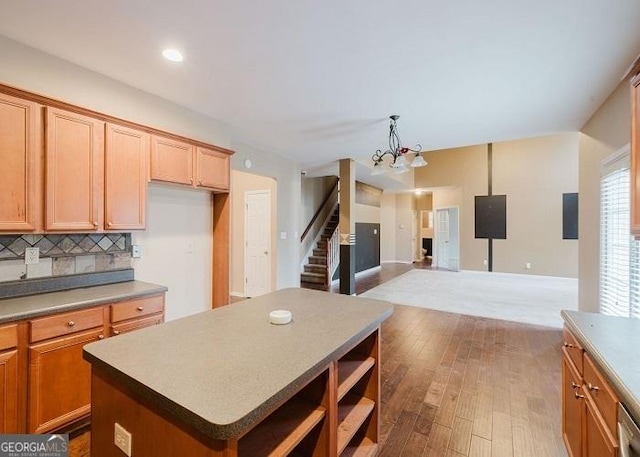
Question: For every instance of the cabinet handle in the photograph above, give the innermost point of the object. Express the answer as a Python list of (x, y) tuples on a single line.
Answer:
[(574, 385), (71, 323), (592, 387), (578, 396), (140, 308), (568, 345), (116, 332), (101, 337)]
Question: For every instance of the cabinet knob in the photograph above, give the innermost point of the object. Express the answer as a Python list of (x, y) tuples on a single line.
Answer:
[(95, 224), (578, 396), (71, 323), (592, 387), (116, 332), (101, 337), (574, 385), (140, 308), (109, 224), (568, 345)]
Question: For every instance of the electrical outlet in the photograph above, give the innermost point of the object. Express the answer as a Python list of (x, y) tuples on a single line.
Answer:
[(528, 266), (122, 439), (31, 256), (485, 263), (136, 251)]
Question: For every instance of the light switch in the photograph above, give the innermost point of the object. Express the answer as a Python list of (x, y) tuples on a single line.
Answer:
[(283, 235), (375, 231)]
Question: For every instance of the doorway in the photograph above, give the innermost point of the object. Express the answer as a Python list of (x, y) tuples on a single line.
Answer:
[(447, 239), (257, 253)]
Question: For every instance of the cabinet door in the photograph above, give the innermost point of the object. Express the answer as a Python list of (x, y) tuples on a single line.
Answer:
[(20, 173), (572, 409), (59, 381), (171, 160), (74, 171), (212, 169), (635, 156), (9, 392), (126, 157), (598, 439)]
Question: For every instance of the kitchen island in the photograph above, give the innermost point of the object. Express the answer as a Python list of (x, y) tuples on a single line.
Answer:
[(227, 382)]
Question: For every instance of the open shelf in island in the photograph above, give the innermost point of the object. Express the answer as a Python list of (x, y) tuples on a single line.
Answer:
[(283, 430)]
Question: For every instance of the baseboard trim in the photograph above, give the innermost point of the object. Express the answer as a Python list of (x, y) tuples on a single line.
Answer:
[(237, 294), (370, 270), (397, 261)]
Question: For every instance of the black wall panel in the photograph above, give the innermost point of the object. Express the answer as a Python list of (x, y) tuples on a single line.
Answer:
[(491, 216), (367, 246), (570, 216)]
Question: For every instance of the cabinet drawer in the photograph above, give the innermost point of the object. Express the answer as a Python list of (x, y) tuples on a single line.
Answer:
[(8, 337), (137, 308), (601, 393), (136, 324), (573, 349), (64, 324)]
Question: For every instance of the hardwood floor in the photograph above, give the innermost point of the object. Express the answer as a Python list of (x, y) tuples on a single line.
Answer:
[(455, 385)]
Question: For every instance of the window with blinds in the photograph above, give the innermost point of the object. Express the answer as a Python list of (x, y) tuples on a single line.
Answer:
[(619, 252)]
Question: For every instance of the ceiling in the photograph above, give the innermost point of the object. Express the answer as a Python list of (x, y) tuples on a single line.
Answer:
[(315, 81)]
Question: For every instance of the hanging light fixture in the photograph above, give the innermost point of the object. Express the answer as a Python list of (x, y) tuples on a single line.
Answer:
[(399, 162)]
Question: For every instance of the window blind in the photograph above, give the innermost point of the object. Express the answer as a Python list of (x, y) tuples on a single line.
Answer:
[(619, 253)]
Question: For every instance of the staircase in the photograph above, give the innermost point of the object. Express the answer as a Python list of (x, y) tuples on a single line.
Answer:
[(316, 273)]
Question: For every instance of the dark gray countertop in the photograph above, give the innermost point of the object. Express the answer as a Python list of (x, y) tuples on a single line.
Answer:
[(223, 370), (612, 343), (15, 309)]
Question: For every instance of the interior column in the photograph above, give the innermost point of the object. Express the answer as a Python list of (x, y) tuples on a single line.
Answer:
[(347, 227)]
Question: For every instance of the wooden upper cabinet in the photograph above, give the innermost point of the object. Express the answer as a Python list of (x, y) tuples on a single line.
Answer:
[(635, 156), (21, 172), (171, 160), (125, 196), (74, 171), (212, 169)]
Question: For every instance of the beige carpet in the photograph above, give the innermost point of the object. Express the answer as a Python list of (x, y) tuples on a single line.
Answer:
[(513, 297)]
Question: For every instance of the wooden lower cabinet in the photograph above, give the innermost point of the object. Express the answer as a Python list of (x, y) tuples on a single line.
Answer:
[(598, 439), (573, 409), (57, 378), (589, 405), (9, 392), (9, 379), (59, 381)]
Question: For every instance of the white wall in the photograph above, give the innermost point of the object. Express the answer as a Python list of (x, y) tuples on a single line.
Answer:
[(176, 248)]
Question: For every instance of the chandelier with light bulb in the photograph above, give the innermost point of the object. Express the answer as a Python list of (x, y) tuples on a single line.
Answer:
[(398, 162)]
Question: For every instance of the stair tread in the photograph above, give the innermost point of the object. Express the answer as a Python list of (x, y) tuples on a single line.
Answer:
[(311, 273)]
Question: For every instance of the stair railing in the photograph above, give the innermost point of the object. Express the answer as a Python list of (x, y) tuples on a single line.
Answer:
[(320, 219), (333, 254)]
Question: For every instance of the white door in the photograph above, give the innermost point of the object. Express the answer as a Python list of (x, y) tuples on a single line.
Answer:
[(447, 245), (257, 252)]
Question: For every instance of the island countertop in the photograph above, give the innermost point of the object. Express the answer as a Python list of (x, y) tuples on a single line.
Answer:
[(19, 308), (223, 370), (611, 341)]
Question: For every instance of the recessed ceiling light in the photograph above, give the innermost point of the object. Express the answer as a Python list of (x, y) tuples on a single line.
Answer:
[(173, 55)]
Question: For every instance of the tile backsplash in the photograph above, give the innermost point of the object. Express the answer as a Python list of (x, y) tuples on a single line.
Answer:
[(63, 254)]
